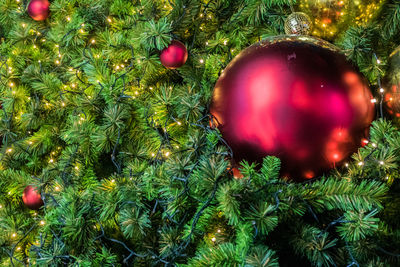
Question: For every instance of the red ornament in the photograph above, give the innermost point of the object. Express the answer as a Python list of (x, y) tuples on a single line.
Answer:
[(174, 56), (32, 198), (392, 95), (296, 98), (39, 9)]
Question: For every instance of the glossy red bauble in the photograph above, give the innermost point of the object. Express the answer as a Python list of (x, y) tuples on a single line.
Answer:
[(392, 85), (294, 97), (32, 198), (39, 9), (174, 56)]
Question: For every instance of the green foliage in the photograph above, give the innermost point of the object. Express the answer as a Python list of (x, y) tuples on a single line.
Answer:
[(127, 161)]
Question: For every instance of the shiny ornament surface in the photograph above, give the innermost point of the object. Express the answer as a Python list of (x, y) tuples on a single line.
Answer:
[(333, 17), (392, 85), (298, 23), (294, 97), (39, 9), (31, 197), (174, 56)]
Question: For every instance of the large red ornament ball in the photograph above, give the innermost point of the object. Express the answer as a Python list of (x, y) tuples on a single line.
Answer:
[(174, 56), (39, 9), (392, 85), (32, 198), (294, 97)]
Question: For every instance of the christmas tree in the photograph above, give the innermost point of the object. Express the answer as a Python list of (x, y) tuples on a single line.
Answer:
[(110, 155)]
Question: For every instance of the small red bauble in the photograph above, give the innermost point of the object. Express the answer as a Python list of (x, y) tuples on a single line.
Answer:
[(32, 198), (39, 9), (174, 56), (392, 85), (296, 98)]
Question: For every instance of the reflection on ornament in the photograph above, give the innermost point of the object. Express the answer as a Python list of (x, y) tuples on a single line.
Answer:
[(294, 97), (392, 95), (298, 23), (333, 17)]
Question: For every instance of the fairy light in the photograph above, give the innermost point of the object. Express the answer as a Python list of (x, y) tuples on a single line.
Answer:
[(360, 163), (1, 206), (9, 150), (68, 18), (57, 188), (23, 25), (373, 100), (42, 222), (93, 41), (112, 181), (14, 235), (381, 162), (346, 164), (201, 61), (225, 42), (109, 20), (57, 62), (152, 154), (381, 90), (167, 154), (51, 160), (373, 144), (18, 248), (11, 84), (213, 239), (76, 168), (378, 61), (179, 123), (30, 142)]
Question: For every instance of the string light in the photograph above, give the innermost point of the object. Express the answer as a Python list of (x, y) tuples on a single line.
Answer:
[(42, 222), (201, 61), (381, 162), (373, 100), (213, 239), (381, 90), (360, 163), (9, 150), (68, 19)]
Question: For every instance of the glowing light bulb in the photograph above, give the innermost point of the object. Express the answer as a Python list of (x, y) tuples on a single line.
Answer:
[(213, 239), (201, 61)]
